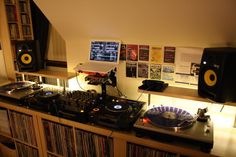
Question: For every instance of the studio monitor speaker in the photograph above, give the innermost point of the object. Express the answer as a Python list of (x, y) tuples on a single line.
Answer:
[(28, 55), (217, 75)]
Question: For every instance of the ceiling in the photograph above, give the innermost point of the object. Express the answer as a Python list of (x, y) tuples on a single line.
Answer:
[(144, 20)]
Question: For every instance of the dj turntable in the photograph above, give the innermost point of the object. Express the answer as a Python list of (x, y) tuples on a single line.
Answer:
[(116, 112), (174, 124), (17, 90)]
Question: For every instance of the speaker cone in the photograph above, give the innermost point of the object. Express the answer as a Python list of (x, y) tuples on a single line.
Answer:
[(210, 78), (26, 58)]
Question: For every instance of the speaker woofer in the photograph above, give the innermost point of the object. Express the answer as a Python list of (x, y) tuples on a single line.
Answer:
[(210, 78), (26, 58)]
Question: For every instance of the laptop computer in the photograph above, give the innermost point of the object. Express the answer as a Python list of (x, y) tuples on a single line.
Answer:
[(103, 57)]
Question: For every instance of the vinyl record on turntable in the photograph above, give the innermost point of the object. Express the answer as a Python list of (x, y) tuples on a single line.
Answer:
[(169, 117), (47, 95)]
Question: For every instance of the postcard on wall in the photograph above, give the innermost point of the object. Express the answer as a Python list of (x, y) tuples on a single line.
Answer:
[(185, 56), (143, 70), (186, 79), (155, 71), (156, 55), (168, 72), (132, 52), (169, 54), (143, 52), (131, 69), (123, 52)]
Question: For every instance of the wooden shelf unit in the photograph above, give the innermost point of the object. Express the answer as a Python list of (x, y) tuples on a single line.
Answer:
[(16, 127), (120, 139), (19, 19), (49, 74)]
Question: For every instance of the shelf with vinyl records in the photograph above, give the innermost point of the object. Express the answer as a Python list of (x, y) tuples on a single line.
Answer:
[(19, 19), (19, 129)]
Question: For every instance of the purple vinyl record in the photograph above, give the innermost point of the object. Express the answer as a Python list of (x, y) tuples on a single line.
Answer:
[(169, 117)]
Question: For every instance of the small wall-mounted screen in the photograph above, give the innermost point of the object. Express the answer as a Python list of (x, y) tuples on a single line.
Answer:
[(107, 51)]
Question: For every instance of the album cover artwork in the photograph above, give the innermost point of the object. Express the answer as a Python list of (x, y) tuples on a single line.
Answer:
[(143, 70), (168, 72), (155, 71), (169, 54), (143, 52), (123, 52), (132, 52), (131, 69), (156, 55)]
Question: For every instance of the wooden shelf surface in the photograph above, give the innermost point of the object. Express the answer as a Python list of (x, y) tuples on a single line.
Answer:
[(183, 93), (178, 92), (50, 74)]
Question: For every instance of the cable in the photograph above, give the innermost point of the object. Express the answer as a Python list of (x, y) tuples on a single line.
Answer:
[(222, 108), (139, 96), (78, 82), (120, 93), (143, 92)]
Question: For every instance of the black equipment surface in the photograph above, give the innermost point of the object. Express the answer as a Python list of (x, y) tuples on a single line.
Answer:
[(175, 125), (116, 112), (87, 107), (43, 100), (217, 74), (76, 105), (153, 85)]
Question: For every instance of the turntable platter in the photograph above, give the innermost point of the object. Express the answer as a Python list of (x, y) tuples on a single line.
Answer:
[(169, 117), (16, 86)]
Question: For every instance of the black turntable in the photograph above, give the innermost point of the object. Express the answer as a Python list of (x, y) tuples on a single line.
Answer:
[(174, 124), (116, 112), (43, 100), (17, 90)]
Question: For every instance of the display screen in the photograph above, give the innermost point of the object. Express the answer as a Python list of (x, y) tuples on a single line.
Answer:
[(107, 51)]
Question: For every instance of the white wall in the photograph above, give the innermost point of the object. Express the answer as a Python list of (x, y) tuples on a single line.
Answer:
[(198, 23)]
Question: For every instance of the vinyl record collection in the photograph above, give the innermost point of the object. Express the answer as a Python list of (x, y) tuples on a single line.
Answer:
[(26, 151), (22, 127), (50, 155), (134, 150), (59, 138), (4, 122), (91, 145)]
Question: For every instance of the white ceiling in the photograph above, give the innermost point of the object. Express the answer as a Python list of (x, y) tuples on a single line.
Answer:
[(209, 21)]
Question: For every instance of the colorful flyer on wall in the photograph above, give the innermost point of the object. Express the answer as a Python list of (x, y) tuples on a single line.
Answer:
[(169, 54), (123, 52), (143, 52), (156, 55), (143, 70), (131, 69), (168, 72), (155, 71), (132, 52)]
